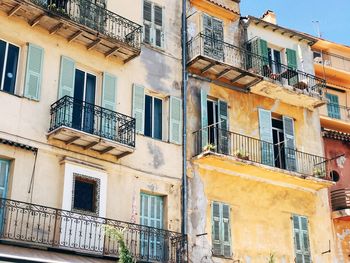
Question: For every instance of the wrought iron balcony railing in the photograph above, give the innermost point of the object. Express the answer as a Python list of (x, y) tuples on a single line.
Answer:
[(258, 151), (203, 45), (340, 199), (42, 226), (96, 17), (332, 60), (93, 119), (337, 111)]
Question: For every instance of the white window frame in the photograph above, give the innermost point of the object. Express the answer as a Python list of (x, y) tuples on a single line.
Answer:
[(5, 61), (153, 26), (162, 126)]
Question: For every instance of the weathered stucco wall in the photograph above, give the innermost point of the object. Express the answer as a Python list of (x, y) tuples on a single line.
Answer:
[(149, 169)]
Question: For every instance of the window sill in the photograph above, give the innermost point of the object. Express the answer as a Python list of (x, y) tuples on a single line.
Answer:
[(222, 257), (158, 140), (19, 96)]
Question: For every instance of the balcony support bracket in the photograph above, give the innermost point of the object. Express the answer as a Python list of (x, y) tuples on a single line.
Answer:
[(73, 139), (111, 52), (94, 44), (56, 28), (242, 75), (90, 145), (37, 20), (75, 36), (108, 149), (14, 10), (208, 67), (223, 73)]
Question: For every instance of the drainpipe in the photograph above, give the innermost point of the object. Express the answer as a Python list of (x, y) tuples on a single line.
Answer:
[(184, 126)]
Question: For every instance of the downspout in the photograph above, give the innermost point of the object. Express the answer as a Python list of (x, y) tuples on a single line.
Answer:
[(184, 126)]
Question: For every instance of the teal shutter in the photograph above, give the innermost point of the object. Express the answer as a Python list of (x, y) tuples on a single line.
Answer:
[(301, 239), (108, 118), (265, 127), (175, 120), (216, 228), (226, 232), (333, 106), (34, 71), (67, 77), (224, 134), (138, 107), (263, 51), (152, 215), (292, 58), (4, 173), (221, 233), (204, 119), (289, 143)]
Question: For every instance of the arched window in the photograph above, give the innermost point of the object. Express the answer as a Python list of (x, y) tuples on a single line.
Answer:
[(334, 175)]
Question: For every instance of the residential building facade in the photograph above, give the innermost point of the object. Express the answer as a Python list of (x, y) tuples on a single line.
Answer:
[(91, 111), (257, 173), (332, 62)]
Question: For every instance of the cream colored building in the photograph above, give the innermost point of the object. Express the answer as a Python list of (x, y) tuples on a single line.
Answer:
[(90, 129)]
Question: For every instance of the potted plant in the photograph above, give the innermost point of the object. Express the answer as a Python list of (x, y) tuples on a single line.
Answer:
[(241, 154), (209, 147), (271, 258), (319, 173), (117, 235)]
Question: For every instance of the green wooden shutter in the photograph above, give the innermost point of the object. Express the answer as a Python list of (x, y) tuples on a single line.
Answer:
[(333, 106), (224, 134), (226, 232), (67, 77), (4, 171), (216, 228), (289, 143), (175, 120), (301, 239), (34, 72), (158, 25), (204, 119), (263, 51), (138, 106), (108, 119), (265, 127), (292, 58)]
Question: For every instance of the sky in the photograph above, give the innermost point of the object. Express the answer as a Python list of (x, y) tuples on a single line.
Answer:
[(333, 16)]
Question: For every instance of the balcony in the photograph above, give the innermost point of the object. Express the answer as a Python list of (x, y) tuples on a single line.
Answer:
[(336, 117), (253, 157), (326, 59), (92, 127), (32, 225), (82, 21), (231, 66), (340, 199)]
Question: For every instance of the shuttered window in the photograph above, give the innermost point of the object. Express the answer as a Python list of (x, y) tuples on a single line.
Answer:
[(175, 126), (204, 118), (289, 142), (301, 239), (221, 232), (67, 77), (138, 106), (153, 24), (9, 55), (109, 100), (224, 134), (34, 70), (265, 127), (333, 106)]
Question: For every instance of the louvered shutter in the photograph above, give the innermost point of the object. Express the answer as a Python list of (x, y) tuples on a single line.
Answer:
[(292, 62), (226, 232), (216, 228), (138, 104), (263, 51), (265, 127), (208, 34), (147, 18), (108, 118), (158, 24), (301, 239), (333, 106), (223, 125), (218, 38), (289, 143), (67, 77), (34, 71), (4, 172), (204, 119), (175, 120)]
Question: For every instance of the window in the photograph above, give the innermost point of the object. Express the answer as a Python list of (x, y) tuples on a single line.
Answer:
[(301, 239), (274, 60), (214, 37), (221, 233), (85, 194), (9, 55), (333, 106), (153, 24), (153, 117)]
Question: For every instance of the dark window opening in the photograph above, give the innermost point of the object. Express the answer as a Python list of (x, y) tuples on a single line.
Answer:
[(278, 143), (9, 55), (212, 114), (335, 176), (153, 117), (85, 194)]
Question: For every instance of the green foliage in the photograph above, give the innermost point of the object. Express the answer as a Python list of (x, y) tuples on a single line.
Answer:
[(271, 258), (117, 235)]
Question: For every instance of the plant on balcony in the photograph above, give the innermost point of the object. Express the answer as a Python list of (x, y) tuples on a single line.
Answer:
[(241, 154), (209, 147), (271, 258), (117, 235), (319, 173), (53, 7)]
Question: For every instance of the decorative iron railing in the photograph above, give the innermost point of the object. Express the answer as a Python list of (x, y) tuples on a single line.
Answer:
[(93, 119), (31, 224), (340, 199), (96, 17), (241, 58), (337, 111), (251, 149), (332, 60)]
